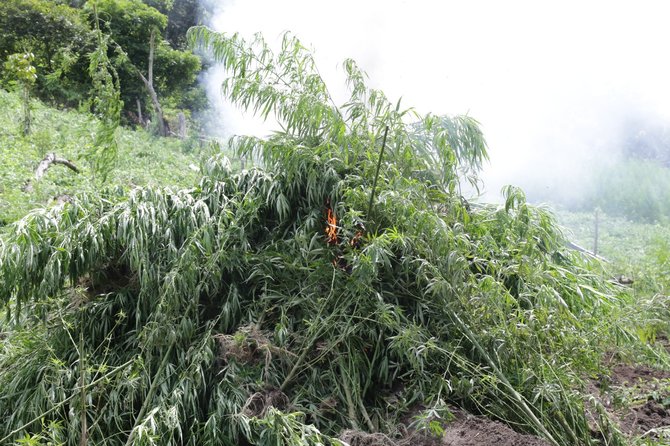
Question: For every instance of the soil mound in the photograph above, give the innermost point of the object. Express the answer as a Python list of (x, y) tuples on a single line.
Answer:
[(637, 398), (479, 431), (465, 430)]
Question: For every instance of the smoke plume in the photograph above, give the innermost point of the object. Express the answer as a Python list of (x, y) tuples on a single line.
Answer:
[(560, 88)]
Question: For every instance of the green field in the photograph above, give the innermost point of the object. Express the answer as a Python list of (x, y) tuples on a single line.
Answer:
[(142, 159), (637, 250)]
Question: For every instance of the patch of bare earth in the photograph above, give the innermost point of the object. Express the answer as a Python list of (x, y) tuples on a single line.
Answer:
[(464, 430), (637, 397), (478, 431), (635, 374), (650, 393)]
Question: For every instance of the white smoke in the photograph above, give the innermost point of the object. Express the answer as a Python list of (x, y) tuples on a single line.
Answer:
[(552, 83)]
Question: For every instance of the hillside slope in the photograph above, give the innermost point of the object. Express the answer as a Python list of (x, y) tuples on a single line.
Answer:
[(142, 159), (344, 285)]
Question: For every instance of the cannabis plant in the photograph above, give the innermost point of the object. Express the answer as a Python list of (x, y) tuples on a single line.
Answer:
[(342, 282)]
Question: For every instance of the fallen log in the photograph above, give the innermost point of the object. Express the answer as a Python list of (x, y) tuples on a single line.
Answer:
[(50, 159)]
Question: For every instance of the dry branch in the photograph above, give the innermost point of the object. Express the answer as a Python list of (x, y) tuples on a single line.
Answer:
[(50, 159)]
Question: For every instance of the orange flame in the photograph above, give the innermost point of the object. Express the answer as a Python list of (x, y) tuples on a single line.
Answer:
[(356, 241), (331, 228)]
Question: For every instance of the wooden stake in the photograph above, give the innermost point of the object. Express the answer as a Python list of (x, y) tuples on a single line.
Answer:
[(595, 237)]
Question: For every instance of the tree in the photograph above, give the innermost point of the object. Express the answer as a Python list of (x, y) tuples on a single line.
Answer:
[(181, 14), (149, 84), (61, 38), (134, 28), (57, 36), (20, 70)]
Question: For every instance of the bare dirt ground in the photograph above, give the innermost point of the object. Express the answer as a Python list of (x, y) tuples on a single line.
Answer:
[(477, 431), (638, 397), (646, 392), (464, 430)]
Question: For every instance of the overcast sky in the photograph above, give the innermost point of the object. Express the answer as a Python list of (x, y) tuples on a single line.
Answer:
[(550, 81)]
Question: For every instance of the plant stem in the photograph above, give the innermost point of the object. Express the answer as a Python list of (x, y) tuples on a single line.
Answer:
[(311, 342), (62, 403), (366, 416), (379, 165), (351, 408), (298, 363), (150, 396), (595, 236), (83, 440), (499, 374)]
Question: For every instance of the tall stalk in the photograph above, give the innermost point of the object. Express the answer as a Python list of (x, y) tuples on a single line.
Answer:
[(379, 165), (150, 395)]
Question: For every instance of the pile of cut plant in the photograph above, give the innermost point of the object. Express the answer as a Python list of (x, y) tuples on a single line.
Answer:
[(341, 292)]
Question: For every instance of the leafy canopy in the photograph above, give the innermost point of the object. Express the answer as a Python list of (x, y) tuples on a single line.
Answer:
[(64, 38), (57, 36), (130, 24)]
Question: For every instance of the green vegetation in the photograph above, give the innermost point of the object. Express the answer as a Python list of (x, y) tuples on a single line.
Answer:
[(637, 254), (637, 189), (143, 160), (106, 105), (59, 38), (131, 25), (233, 312), (64, 39), (21, 72), (632, 189), (639, 251)]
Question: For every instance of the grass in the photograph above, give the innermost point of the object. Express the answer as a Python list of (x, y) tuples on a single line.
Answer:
[(143, 159), (637, 250), (639, 189)]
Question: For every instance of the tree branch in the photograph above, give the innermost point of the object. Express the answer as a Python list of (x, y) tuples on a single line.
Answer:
[(50, 159), (152, 47), (149, 84)]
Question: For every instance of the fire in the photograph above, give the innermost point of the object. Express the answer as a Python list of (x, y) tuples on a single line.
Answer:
[(331, 228), (340, 261), (356, 241)]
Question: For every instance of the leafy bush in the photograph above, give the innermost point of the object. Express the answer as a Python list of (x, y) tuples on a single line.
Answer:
[(59, 38), (223, 314)]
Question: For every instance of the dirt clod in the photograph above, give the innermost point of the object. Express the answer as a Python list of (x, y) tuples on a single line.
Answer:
[(257, 405)]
